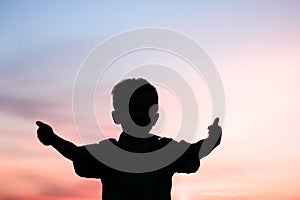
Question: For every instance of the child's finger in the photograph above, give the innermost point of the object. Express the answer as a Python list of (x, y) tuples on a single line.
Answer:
[(216, 122), (39, 123)]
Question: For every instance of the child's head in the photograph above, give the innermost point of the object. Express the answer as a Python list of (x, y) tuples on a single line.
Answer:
[(135, 103)]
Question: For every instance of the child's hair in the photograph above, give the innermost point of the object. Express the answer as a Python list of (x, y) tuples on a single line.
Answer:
[(134, 91), (133, 96)]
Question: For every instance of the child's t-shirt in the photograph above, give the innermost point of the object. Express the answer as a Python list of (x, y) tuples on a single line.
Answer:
[(117, 185)]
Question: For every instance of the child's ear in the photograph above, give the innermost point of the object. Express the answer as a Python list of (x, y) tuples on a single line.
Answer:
[(154, 119), (115, 117)]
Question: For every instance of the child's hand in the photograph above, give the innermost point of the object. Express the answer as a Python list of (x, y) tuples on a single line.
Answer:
[(215, 128), (45, 133)]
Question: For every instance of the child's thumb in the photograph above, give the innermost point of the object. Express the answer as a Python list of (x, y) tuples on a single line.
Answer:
[(216, 122)]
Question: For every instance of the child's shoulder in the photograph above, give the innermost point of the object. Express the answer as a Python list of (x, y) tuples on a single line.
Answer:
[(107, 141)]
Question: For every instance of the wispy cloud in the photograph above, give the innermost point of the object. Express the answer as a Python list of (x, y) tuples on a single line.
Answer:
[(26, 107)]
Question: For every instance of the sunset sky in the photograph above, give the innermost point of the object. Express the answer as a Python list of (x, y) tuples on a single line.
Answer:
[(255, 46)]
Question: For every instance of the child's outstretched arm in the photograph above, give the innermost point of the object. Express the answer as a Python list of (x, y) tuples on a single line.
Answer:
[(46, 136), (213, 140), (189, 162)]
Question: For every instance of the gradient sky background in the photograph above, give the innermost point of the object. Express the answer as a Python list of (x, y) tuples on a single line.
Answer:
[(255, 46)]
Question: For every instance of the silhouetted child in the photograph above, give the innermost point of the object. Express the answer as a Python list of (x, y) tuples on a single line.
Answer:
[(135, 103)]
